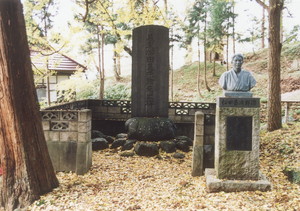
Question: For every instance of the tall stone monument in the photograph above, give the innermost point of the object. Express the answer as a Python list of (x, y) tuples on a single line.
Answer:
[(237, 135), (150, 85), (150, 71)]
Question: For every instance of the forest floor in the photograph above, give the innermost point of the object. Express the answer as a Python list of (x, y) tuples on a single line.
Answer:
[(165, 183)]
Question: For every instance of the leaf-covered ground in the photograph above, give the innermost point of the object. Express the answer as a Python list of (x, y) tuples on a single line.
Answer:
[(165, 183)]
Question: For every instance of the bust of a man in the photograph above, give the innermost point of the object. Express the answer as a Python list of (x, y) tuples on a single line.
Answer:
[(237, 79)]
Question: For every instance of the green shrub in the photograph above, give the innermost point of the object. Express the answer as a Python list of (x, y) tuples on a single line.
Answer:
[(77, 88), (117, 92)]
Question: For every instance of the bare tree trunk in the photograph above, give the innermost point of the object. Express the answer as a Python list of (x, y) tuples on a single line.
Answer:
[(214, 65), (274, 100), (263, 28), (27, 168), (171, 68), (100, 49), (198, 73), (227, 44), (102, 75), (119, 64), (99, 68), (227, 50), (205, 54), (189, 55), (233, 31), (166, 6), (115, 58), (48, 90)]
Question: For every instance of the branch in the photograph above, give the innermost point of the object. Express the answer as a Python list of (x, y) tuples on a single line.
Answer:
[(54, 51), (261, 3), (126, 48), (87, 3)]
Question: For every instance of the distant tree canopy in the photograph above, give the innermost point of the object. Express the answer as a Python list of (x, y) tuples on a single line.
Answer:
[(110, 22)]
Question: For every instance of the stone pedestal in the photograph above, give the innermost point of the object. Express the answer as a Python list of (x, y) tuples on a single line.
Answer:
[(213, 184), (236, 145)]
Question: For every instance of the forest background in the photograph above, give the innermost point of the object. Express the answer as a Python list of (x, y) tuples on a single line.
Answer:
[(248, 24), (202, 30)]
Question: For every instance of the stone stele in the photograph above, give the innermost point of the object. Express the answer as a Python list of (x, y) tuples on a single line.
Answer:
[(150, 71)]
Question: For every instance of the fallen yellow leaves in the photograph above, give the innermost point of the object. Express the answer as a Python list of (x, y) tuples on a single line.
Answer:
[(165, 183)]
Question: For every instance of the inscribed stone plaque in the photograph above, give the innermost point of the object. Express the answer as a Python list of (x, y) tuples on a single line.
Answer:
[(239, 133), (238, 102), (150, 71)]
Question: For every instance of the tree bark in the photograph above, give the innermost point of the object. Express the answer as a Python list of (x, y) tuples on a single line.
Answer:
[(263, 28), (199, 66), (205, 53), (233, 31), (171, 66), (102, 75), (274, 99), (189, 54), (27, 168), (116, 67)]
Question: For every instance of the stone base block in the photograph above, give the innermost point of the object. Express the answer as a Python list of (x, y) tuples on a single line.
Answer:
[(150, 129), (237, 94), (213, 184)]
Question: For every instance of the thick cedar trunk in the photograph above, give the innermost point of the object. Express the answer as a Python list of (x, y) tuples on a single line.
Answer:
[(274, 105), (28, 171)]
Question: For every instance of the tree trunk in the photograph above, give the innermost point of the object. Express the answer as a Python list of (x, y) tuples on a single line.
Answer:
[(116, 72), (205, 54), (198, 73), (227, 51), (102, 76), (274, 100), (26, 164), (166, 7), (100, 68), (189, 55), (263, 28), (171, 68), (119, 64), (214, 65), (233, 31)]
